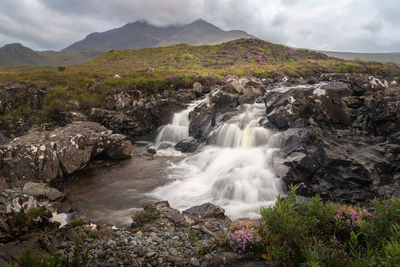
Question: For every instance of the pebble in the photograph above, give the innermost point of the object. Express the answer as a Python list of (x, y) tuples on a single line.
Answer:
[(111, 243), (160, 244), (194, 262), (150, 254), (139, 234), (153, 235), (173, 251)]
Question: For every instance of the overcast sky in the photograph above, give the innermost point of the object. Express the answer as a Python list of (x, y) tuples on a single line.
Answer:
[(341, 25)]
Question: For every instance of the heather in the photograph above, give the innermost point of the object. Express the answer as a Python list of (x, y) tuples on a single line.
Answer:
[(299, 232)]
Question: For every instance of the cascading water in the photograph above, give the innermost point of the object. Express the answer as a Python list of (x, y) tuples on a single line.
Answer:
[(178, 129), (233, 171)]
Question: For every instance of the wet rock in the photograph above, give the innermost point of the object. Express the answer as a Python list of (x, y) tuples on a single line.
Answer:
[(120, 148), (188, 145), (203, 122), (343, 149), (41, 189)]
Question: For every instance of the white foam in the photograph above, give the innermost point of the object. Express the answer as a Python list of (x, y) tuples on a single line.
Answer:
[(234, 171)]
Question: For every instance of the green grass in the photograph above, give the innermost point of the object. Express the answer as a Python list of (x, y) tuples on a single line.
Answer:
[(85, 86)]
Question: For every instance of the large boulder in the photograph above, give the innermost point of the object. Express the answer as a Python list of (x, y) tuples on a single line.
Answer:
[(42, 156), (346, 147)]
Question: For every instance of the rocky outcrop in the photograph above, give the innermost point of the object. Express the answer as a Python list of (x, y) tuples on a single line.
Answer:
[(42, 156), (223, 99), (22, 97), (342, 139), (132, 114)]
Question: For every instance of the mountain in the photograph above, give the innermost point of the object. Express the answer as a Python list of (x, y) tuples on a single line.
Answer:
[(378, 57), (141, 34), (19, 55)]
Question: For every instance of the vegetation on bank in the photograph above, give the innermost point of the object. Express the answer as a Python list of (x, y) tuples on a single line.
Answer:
[(85, 86), (79, 257), (313, 233)]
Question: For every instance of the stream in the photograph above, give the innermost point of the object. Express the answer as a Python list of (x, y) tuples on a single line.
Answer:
[(233, 170)]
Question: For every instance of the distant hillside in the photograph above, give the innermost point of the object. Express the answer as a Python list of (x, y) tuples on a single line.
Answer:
[(143, 35), (378, 57), (19, 55), (250, 52)]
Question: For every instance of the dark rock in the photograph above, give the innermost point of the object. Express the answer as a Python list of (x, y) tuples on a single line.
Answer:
[(120, 148), (63, 207), (198, 89), (336, 144), (203, 122), (188, 145), (206, 210)]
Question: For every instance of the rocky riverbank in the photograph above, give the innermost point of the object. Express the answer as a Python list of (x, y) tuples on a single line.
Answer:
[(159, 236)]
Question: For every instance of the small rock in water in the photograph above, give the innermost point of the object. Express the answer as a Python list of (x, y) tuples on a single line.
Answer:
[(151, 151)]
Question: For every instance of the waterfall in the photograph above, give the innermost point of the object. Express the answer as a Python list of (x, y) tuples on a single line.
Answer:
[(178, 129), (233, 170)]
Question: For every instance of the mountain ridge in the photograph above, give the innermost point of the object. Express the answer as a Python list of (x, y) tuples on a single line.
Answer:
[(142, 34)]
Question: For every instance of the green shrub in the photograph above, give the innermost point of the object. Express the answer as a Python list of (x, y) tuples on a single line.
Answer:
[(77, 223), (79, 258), (147, 215), (61, 68), (203, 250), (26, 217), (314, 233)]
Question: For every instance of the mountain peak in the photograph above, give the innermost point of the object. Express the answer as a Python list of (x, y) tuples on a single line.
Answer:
[(142, 34), (200, 20), (16, 45)]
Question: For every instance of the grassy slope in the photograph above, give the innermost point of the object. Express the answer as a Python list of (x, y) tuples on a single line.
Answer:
[(18, 55), (176, 67)]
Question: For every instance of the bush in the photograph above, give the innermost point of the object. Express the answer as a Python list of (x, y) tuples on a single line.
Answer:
[(244, 237), (78, 259), (27, 217), (61, 68), (314, 233), (147, 215)]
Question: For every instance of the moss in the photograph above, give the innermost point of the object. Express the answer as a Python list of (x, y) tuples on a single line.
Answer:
[(194, 237), (25, 217), (35, 212), (77, 223), (147, 215), (91, 234)]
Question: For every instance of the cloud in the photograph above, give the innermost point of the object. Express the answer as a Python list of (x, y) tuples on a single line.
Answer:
[(343, 25)]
